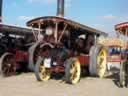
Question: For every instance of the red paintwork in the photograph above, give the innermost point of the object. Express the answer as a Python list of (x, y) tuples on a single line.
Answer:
[(21, 56), (114, 58), (57, 69), (121, 25), (84, 60)]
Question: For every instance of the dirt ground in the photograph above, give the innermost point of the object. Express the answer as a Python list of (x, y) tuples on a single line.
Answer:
[(26, 85)]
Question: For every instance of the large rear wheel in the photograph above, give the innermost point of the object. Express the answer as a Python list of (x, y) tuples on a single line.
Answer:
[(72, 70), (7, 67), (98, 61), (33, 55)]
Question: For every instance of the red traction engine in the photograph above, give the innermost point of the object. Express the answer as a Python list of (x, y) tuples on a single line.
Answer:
[(14, 44), (66, 47), (15, 58)]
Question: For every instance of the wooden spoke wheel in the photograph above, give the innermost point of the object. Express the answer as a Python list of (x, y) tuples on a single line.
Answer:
[(72, 70), (7, 67), (98, 61), (41, 72), (123, 76)]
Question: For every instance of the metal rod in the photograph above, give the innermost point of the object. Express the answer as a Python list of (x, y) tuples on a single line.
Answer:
[(56, 31), (126, 35), (95, 36), (126, 32), (39, 33), (34, 34), (62, 33)]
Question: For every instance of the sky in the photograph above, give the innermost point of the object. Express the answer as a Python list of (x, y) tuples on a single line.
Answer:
[(99, 14)]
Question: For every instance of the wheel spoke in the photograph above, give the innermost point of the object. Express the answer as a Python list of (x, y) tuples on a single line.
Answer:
[(42, 68), (72, 68), (73, 71), (6, 70), (101, 53), (100, 63), (44, 75), (72, 76)]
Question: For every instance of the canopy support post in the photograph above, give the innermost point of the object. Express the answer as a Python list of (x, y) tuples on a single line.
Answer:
[(39, 31), (56, 32), (62, 33), (34, 34)]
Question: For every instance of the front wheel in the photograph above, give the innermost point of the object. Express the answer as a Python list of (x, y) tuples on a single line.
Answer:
[(72, 70), (123, 73), (41, 72)]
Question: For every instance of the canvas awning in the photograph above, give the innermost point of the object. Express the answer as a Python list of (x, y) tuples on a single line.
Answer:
[(111, 42)]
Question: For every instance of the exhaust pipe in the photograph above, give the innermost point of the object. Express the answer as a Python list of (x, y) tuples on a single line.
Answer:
[(0, 10), (60, 8)]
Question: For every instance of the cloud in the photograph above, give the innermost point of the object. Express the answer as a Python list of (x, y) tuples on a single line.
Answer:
[(107, 28), (107, 23), (123, 18), (108, 17), (113, 18), (24, 18)]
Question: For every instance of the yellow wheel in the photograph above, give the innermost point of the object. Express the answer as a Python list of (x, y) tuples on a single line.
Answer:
[(41, 72), (101, 63), (98, 61), (72, 71)]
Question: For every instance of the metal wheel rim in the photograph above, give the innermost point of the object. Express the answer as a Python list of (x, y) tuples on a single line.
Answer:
[(44, 73), (75, 71), (101, 63), (123, 77), (35, 54), (123, 74), (8, 67)]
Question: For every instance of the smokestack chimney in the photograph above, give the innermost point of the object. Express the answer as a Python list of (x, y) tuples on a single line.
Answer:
[(0, 10), (60, 8)]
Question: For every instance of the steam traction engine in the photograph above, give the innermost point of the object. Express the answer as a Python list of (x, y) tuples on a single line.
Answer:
[(67, 47), (15, 44), (122, 28)]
